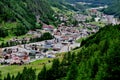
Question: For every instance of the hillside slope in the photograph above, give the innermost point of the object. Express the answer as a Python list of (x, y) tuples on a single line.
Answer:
[(100, 55), (114, 9), (22, 13), (97, 59)]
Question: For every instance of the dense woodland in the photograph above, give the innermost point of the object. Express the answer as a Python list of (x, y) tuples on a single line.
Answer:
[(97, 59), (15, 14)]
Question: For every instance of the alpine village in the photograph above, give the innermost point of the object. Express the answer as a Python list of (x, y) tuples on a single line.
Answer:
[(59, 40)]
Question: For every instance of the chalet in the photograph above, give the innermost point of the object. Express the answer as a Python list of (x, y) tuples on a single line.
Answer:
[(97, 19), (15, 59), (57, 47), (39, 55), (64, 38), (50, 55), (47, 46), (48, 27), (65, 43)]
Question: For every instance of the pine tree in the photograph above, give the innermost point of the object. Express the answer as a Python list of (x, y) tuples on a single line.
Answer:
[(5, 78), (73, 72), (33, 74), (42, 74), (69, 58), (64, 60), (105, 46), (18, 77), (2, 44), (55, 68), (8, 77), (73, 56), (79, 56), (13, 77), (0, 76), (53, 73), (27, 74)]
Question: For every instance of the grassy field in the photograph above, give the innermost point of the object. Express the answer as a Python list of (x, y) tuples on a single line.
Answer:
[(101, 24), (11, 37), (14, 69)]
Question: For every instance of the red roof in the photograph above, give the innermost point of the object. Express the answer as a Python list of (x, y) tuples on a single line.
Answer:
[(16, 58), (48, 26)]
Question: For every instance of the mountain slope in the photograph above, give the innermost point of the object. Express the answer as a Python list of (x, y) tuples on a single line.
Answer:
[(15, 10), (41, 8), (100, 55), (97, 59), (114, 9), (14, 13)]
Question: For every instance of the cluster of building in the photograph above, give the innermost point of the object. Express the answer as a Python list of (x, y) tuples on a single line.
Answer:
[(64, 40), (80, 17), (34, 34), (14, 55), (109, 19), (99, 16), (94, 15)]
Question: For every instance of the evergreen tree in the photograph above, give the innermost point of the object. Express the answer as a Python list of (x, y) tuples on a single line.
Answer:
[(2, 44), (53, 73), (113, 61), (13, 77), (105, 46), (8, 77), (73, 72), (55, 68), (64, 60), (5, 78), (69, 58), (18, 77), (78, 57), (73, 56), (0, 76), (28, 74), (42, 74)]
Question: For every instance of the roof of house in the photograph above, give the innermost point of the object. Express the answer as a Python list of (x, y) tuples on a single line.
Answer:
[(48, 26)]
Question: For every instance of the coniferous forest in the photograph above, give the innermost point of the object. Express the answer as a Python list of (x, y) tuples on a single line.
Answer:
[(16, 14)]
